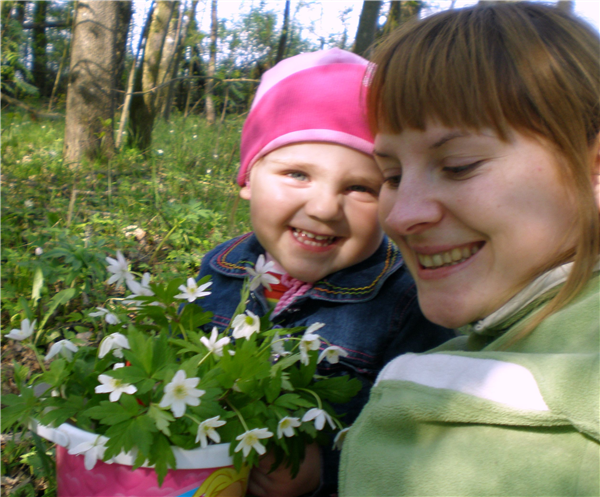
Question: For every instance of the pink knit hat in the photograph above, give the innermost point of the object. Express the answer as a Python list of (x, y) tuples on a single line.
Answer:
[(312, 97)]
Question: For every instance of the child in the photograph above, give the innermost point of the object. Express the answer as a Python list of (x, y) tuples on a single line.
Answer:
[(313, 186), (488, 135)]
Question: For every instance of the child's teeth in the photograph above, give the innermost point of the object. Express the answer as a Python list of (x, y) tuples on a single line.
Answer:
[(309, 238)]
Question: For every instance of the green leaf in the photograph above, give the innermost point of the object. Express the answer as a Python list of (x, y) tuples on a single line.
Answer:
[(161, 419), (141, 351), (62, 410), (38, 282), (292, 401), (20, 408), (109, 413), (60, 298), (129, 374), (161, 455), (273, 387), (337, 389)]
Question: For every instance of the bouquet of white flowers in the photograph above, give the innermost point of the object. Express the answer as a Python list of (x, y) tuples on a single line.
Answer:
[(153, 380)]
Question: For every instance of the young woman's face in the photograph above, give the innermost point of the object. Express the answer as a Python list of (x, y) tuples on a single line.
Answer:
[(474, 216), (314, 207)]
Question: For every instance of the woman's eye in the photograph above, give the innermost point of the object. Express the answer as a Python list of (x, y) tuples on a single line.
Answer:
[(297, 175), (393, 181), (460, 171)]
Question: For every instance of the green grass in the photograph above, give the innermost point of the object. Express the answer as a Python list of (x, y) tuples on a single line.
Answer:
[(182, 195), (180, 200)]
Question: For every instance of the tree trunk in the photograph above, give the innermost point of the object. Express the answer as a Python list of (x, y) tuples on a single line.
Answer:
[(212, 62), (566, 5), (399, 13), (39, 43), (177, 61), (131, 79), (284, 33), (143, 107), (367, 25), (21, 7), (92, 78), (168, 64)]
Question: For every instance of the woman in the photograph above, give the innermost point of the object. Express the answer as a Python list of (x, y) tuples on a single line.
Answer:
[(488, 122)]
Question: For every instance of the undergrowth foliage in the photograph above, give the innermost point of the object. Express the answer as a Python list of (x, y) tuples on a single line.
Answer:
[(165, 209)]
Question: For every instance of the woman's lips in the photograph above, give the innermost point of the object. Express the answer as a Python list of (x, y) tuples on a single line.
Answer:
[(450, 257)]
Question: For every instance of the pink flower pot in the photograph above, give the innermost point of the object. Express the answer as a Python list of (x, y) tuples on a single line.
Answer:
[(200, 472)]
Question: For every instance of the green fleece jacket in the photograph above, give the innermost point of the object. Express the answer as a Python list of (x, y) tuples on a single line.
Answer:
[(484, 421)]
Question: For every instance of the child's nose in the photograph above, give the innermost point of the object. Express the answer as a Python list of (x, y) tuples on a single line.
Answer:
[(325, 206)]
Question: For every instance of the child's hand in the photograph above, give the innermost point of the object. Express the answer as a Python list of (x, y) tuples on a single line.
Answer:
[(279, 483)]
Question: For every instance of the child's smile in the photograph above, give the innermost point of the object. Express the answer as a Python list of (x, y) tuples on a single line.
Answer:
[(314, 207), (312, 239)]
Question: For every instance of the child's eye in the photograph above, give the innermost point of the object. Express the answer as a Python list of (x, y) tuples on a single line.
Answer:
[(297, 175), (360, 188)]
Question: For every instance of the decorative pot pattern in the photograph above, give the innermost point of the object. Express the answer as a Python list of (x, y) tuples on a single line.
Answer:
[(205, 472), (117, 480)]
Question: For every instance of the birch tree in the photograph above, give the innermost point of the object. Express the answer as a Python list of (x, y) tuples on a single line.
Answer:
[(144, 107), (212, 63), (95, 57), (367, 26)]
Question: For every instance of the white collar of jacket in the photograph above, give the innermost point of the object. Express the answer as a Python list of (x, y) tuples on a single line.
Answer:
[(529, 294)]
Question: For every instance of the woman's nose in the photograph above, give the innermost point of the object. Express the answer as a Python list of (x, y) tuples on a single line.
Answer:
[(410, 209)]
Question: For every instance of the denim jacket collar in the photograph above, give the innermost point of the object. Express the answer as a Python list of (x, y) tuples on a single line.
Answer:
[(357, 283)]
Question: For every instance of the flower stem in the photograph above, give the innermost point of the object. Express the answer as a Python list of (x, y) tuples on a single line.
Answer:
[(238, 414), (183, 333), (319, 404), (204, 358), (37, 356)]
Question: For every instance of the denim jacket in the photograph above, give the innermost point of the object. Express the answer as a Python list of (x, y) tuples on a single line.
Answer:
[(369, 309)]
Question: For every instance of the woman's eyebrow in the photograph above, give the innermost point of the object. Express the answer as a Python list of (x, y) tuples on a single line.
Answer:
[(446, 138)]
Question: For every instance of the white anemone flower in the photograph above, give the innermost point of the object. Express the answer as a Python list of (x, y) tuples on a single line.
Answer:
[(286, 426), (277, 346), (332, 354), (109, 317), (260, 274), (114, 386), (115, 342), (310, 341), (92, 451), (142, 288), (26, 330), (338, 441), (206, 430), (213, 345), (120, 269), (192, 291), (251, 440), (320, 416), (245, 325), (65, 348), (181, 392)]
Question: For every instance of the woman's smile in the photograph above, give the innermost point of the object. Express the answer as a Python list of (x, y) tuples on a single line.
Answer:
[(450, 257)]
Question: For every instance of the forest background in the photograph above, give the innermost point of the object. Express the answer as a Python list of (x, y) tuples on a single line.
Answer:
[(120, 130)]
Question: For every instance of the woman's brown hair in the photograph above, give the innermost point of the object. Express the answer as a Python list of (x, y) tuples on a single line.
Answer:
[(523, 66)]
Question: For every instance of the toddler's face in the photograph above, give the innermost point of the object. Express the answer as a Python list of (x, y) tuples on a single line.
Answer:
[(314, 207)]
